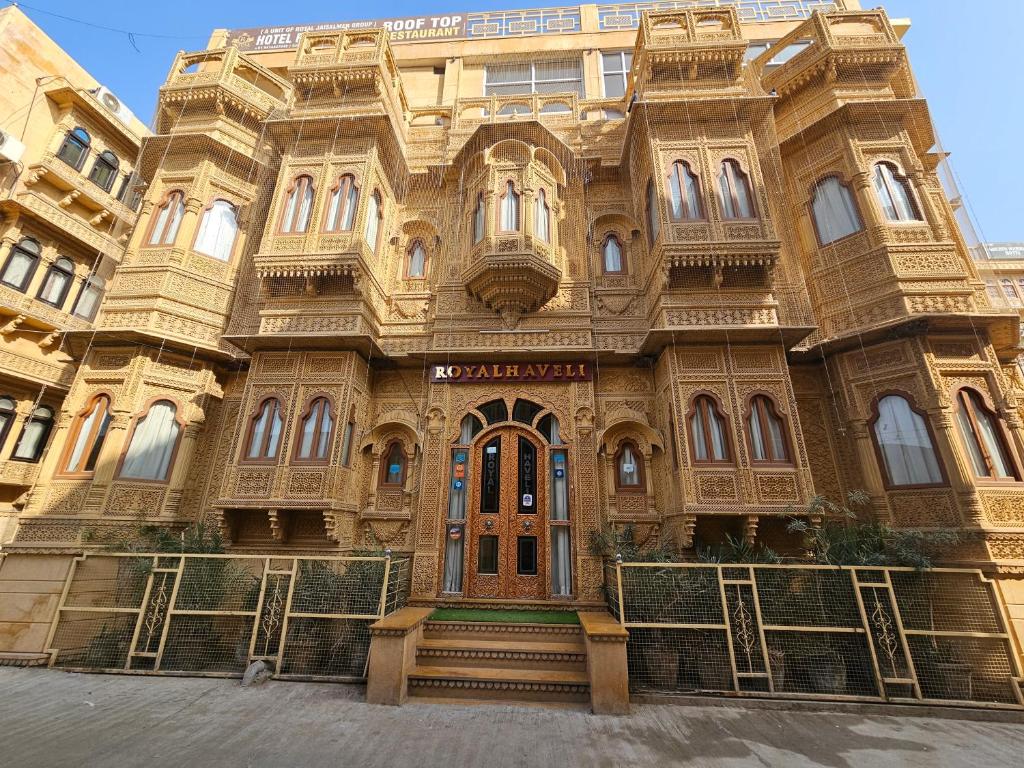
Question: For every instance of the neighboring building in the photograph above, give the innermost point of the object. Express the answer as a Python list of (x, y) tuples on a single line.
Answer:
[(478, 291), (68, 201)]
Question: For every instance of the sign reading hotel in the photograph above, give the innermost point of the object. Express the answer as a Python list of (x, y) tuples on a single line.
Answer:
[(407, 29), (488, 372)]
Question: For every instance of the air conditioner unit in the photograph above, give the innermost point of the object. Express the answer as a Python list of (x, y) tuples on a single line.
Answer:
[(11, 150), (106, 97)]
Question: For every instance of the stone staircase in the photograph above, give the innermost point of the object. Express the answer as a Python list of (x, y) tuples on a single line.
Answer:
[(501, 662)]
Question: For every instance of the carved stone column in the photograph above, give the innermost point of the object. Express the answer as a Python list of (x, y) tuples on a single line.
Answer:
[(427, 557), (874, 486)]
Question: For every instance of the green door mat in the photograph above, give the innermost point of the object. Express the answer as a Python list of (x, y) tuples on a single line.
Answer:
[(505, 617)]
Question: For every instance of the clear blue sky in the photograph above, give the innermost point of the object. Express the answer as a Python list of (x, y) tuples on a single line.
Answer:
[(966, 54)]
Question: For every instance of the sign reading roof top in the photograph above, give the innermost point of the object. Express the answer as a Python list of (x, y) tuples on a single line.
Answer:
[(537, 21)]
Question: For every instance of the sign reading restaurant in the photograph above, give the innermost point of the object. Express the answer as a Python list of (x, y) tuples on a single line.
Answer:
[(408, 29), (487, 372)]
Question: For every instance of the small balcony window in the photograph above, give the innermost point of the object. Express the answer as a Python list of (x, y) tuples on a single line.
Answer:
[(75, 148)]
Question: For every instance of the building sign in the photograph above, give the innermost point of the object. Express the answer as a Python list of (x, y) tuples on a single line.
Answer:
[(406, 29), (525, 372)]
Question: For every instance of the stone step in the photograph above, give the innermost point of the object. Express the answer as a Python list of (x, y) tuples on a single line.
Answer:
[(499, 684), (506, 654), (488, 630)]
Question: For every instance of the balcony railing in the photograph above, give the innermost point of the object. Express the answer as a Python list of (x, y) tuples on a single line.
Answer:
[(251, 84)]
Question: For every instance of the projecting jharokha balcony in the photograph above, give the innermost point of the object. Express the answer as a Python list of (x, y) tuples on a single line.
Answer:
[(512, 274)]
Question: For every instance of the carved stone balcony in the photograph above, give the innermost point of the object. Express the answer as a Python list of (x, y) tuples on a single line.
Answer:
[(511, 274), (39, 313), (18, 473), (78, 189)]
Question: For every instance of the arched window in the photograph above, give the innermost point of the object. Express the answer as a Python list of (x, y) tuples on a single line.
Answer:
[(346, 440), (478, 219), (315, 431), (982, 434), (57, 282), (74, 148), (217, 230), (104, 170), (708, 439), (392, 468), (684, 192), (611, 256), (168, 219), (835, 214), (653, 219), (904, 444), (629, 468), (89, 298), (374, 216), (34, 434), (508, 205), (341, 211), (21, 264), (416, 260), (7, 415), (734, 190), (768, 443), (298, 205), (87, 435), (265, 431), (152, 444), (542, 218), (894, 194), (1011, 293)]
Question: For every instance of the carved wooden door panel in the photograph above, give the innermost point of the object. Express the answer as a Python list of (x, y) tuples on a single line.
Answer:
[(507, 528)]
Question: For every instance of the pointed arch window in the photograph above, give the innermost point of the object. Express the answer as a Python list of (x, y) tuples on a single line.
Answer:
[(416, 260), (542, 217), (75, 147), (341, 210), (87, 436), (298, 205), (104, 170), (734, 191), (904, 444), (982, 434), (153, 443), (708, 439), (374, 216), (217, 230), (835, 213), (684, 192), (767, 432), (478, 219), (393, 464), (57, 282), (653, 218), (265, 431), (508, 205), (21, 264), (629, 468), (893, 190), (168, 219), (611, 256), (34, 434), (315, 432)]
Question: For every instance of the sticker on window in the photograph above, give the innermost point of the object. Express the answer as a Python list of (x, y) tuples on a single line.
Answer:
[(492, 449), (628, 467), (395, 469), (527, 499)]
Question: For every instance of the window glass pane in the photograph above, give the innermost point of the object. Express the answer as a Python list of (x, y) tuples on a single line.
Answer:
[(834, 211), (259, 430), (629, 470), (417, 260), (525, 411), (90, 462), (19, 269), (992, 439), (559, 486), (217, 231), (346, 445), (612, 255), (152, 445), (495, 411), (33, 435), (527, 477), (561, 561), (907, 452), (93, 425), (700, 445), (55, 286), (526, 556), (309, 428), (970, 441), (372, 222), (326, 425), (490, 482), (757, 446), (394, 467), (89, 298), (487, 556)]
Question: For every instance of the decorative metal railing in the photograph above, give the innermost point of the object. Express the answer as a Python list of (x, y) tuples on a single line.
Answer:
[(215, 614), (804, 631)]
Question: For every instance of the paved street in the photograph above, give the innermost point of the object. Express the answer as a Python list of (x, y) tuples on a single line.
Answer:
[(50, 719)]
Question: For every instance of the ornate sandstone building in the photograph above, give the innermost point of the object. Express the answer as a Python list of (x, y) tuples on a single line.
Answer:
[(476, 287)]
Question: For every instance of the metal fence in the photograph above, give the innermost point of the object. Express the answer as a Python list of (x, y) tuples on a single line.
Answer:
[(215, 614), (803, 631)]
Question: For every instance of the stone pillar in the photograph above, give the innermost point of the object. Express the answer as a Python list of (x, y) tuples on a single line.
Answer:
[(874, 485), (393, 642), (607, 667)]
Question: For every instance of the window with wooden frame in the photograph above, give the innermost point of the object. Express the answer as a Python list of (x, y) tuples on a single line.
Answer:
[(167, 219), (894, 193), (153, 443), (75, 147), (542, 217), (416, 261), (217, 231), (508, 209), (1011, 293), (85, 440), (834, 211), (21, 264), (734, 191), (651, 212), (316, 428), (393, 464), (629, 469), (341, 209), (34, 435), (57, 282), (982, 434), (478, 219), (298, 205), (374, 219), (612, 260), (346, 441), (904, 444), (89, 297), (264, 437), (684, 192), (104, 170), (766, 430), (709, 438), (8, 413)]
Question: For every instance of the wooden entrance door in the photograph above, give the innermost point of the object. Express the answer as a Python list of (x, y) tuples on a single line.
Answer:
[(508, 517)]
